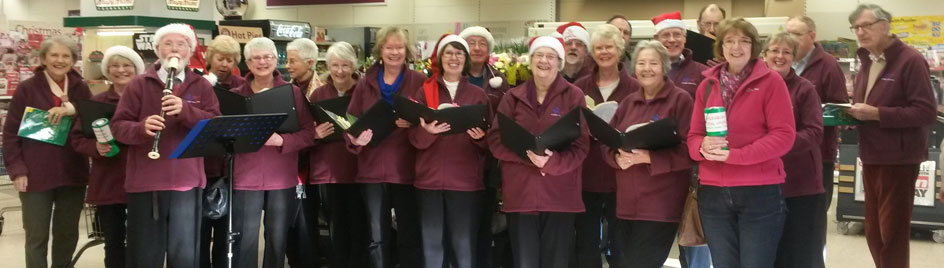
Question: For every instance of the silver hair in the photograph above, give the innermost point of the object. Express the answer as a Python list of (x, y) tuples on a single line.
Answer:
[(60, 40), (259, 44), (342, 51), (307, 49), (659, 48), (880, 13)]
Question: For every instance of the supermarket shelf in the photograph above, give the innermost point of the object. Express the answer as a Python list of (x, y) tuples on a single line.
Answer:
[(6, 97)]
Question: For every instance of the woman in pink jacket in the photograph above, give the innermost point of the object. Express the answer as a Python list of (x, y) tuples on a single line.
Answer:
[(740, 198)]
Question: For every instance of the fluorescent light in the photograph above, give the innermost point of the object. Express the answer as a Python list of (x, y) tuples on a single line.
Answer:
[(110, 33)]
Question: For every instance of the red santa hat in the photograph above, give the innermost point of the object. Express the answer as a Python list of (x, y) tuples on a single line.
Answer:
[(479, 31), (574, 30), (668, 20), (430, 85), (556, 44)]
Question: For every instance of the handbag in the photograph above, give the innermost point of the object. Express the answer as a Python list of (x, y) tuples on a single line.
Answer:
[(690, 231), (216, 199)]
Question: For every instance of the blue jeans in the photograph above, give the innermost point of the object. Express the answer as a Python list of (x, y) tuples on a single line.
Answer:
[(742, 224), (695, 257)]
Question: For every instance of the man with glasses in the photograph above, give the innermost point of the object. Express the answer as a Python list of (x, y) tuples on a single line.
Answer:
[(822, 69), (894, 100), (627, 30), (164, 207), (709, 18), (577, 63)]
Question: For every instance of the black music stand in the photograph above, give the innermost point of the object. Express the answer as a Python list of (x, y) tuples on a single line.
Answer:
[(227, 136)]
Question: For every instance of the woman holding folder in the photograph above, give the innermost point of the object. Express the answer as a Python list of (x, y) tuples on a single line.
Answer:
[(541, 191), (448, 166), (266, 179), (106, 185), (334, 168), (651, 185), (50, 178), (608, 83), (387, 168)]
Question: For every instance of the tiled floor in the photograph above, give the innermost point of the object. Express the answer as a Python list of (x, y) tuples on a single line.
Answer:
[(844, 251)]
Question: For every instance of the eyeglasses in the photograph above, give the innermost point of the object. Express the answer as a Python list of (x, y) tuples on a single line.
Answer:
[(731, 43), (339, 67), (864, 26), (778, 51), (169, 44), (549, 56), (667, 35), (454, 54), (267, 58), (796, 34)]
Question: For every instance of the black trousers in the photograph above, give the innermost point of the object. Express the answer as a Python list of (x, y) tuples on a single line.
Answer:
[(213, 232), (111, 219), (827, 199), (488, 204), (380, 198), (801, 242), (164, 223), (449, 221), (644, 244), (59, 208), (302, 244), (347, 225), (279, 206), (541, 240), (600, 207)]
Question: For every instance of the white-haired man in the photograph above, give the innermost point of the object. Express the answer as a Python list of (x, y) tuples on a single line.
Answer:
[(164, 195)]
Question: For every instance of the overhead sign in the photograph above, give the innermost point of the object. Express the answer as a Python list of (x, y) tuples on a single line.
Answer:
[(112, 5), (184, 5), (319, 2), (241, 34), (288, 31)]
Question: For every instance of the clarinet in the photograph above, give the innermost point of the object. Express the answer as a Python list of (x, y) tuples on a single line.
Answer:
[(168, 90)]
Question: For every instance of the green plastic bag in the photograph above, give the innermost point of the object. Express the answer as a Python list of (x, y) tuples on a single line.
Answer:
[(35, 126)]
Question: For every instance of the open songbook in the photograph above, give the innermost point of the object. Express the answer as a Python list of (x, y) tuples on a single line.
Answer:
[(459, 118), (556, 137), (276, 100), (604, 110), (654, 135)]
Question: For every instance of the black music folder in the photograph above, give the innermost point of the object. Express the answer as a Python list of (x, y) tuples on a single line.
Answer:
[(380, 118), (327, 110), (90, 111), (459, 118), (556, 137), (650, 136), (280, 99), (702, 46)]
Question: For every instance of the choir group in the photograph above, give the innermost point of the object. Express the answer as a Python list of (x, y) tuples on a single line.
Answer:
[(424, 192)]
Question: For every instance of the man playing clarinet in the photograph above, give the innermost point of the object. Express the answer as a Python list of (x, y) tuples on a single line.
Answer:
[(164, 194)]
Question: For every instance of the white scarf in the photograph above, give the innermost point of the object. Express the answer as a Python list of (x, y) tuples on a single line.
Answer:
[(61, 93)]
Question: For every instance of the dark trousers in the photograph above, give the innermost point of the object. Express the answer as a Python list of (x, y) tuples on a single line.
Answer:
[(800, 244), (111, 219), (644, 244), (59, 207), (742, 224), (347, 225), (164, 223), (541, 240), (600, 207), (279, 206), (483, 240), (449, 221), (827, 199), (380, 198), (213, 231), (303, 230), (889, 199)]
